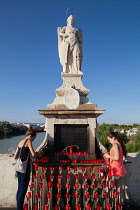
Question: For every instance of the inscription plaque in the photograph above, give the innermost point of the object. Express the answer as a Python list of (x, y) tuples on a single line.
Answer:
[(67, 135)]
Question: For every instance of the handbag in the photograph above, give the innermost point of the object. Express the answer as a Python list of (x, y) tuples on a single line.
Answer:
[(20, 165)]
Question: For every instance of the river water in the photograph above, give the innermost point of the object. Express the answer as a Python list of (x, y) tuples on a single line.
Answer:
[(8, 145)]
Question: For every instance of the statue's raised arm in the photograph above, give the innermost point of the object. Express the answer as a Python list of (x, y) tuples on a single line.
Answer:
[(70, 47)]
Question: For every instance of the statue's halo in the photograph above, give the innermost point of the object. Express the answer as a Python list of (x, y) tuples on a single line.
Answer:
[(70, 9)]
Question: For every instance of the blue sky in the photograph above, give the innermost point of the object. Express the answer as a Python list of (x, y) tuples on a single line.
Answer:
[(30, 70)]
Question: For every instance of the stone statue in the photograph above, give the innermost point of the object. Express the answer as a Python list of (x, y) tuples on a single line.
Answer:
[(70, 47)]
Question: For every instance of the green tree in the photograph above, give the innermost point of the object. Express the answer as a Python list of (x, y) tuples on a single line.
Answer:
[(8, 129), (105, 129), (136, 137)]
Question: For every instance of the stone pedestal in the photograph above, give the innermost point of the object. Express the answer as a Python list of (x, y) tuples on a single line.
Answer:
[(83, 115), (71, 81)]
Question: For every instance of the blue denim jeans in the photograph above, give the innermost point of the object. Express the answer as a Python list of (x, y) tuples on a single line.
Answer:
[(23, 182)]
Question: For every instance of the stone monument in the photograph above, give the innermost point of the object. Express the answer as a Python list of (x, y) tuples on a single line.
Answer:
[(71, 118)]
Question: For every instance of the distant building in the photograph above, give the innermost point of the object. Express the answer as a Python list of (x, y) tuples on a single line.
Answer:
[(131, 131), (120, 130)]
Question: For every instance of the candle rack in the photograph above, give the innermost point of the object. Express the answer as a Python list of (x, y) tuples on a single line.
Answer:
[(85, 185)]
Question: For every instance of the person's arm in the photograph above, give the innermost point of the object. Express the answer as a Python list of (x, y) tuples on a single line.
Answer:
[(33, 153), (16, 153), (116, 152)]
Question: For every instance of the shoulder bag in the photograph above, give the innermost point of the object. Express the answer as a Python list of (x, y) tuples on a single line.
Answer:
[(20, 165)]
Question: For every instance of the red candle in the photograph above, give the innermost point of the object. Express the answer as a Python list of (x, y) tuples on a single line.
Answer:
[(85, 185), (103, 184), (58, 185), (34, 176), (106, 195), (96, 195), (51, 176), (98, 206), (56, 207), (87, 194), (67, 185), (76, 195), (115, 194), (67, 206), (75, 168), (67, 195), (60, 168), (58, 195), (31, 185), (46, 207), (68, 168), (91, 168), (29, 195), (42, 176), (26, 207), (35, 207), (107, 160), (51, 168), (59, 176), (36, 166), (70, 149), (95, 185), (78, 207), (83, 168), (112, 184), (88, 207), (109, 174), (85, 176), (76, 176), (49, 184), (76, 184), (48, 195), (108, 207), (93, 176), (40, 185), (37, 195), (118, 205), (68, 176)]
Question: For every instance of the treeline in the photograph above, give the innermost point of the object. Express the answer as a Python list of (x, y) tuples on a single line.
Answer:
[(132, 145), (8, 129)]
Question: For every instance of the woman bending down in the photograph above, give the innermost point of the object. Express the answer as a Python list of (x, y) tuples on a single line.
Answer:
[(24, 178)]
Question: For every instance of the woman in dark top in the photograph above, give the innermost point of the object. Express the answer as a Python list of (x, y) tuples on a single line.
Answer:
[(26, 148)]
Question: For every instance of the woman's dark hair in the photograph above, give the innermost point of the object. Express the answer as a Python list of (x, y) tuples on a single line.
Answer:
[(117, 136), (31, 132)]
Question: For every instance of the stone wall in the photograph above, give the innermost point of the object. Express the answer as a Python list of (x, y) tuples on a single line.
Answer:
[(8, 181)]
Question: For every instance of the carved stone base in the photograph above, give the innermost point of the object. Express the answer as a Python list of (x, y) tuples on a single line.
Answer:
[(72, 80)]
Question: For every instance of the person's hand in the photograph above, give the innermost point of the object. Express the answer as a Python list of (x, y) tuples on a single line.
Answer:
[(13, 164), (39, 154), (106, 155)]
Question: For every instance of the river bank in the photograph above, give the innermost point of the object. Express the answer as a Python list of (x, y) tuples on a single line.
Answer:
[(8, 145)]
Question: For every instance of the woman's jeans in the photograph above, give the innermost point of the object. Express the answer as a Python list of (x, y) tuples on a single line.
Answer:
[(23, 182)]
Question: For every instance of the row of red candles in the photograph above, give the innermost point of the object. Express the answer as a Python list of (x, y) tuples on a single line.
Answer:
[(75, 168), (76, 194), (72, 153), (60, 168), (82, 161), (67, 185), (78, 207), (46, 160), (77, 185)]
